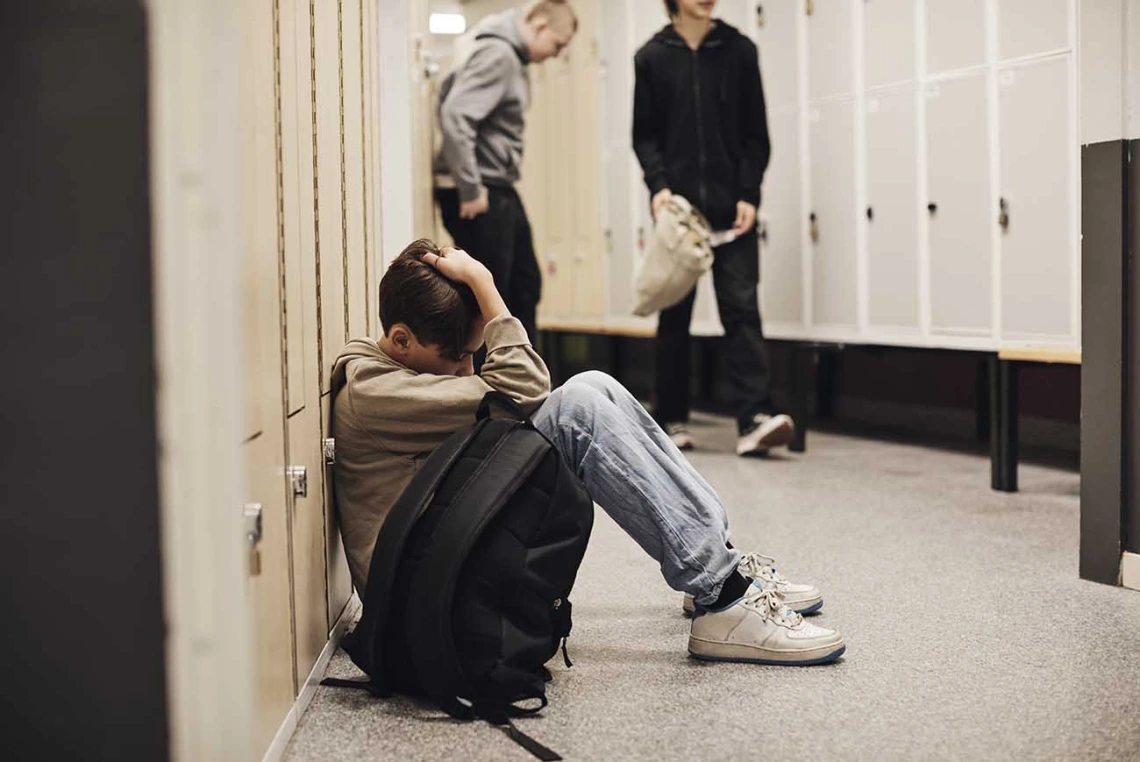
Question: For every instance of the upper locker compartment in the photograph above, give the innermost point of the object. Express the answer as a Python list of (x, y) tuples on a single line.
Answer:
[(1033, 27), (778, 42), (955, 34), (889, 41), (831, 61)]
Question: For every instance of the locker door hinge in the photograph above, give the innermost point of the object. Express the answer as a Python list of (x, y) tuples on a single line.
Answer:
[(251, 521), (328, 449), (298, 480)]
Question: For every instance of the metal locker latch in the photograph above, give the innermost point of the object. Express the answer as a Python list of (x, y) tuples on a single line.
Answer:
[(251, 516), (328, 449), (814, 228), (299, 479), (1003, 213), (809, 6), (760, 15)]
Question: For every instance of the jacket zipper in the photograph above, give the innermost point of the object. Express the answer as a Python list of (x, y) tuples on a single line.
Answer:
[(702, 191)]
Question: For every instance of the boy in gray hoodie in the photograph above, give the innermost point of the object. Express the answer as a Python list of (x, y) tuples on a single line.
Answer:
[(482, 108), (397, 399)]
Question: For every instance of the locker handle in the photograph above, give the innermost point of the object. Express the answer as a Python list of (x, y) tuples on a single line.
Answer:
[(870, 214), (1003, 213), (814, 228), (932, 207)]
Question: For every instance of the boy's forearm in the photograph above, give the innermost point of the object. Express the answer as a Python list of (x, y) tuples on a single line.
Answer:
[(491, 303)]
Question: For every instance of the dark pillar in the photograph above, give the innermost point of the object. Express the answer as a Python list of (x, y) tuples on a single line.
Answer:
[(83, 633)]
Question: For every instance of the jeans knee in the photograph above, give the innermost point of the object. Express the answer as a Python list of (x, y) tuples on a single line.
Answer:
[(595, 379)]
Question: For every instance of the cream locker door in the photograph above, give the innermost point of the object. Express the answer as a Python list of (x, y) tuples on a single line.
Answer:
[(892, 208), (1033, 27), (305, 213), (263, 449), (960, 217), (781, 213), (584, 100), (831, 48), (1036, 182), (423, 126), (622, 173), (554, 194), (355, 207), (777, 39), (333, 306), (955, 34), (834, 271), (889, 41)]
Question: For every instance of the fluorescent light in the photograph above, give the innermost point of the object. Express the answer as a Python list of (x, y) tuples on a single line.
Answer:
[(447, 23)]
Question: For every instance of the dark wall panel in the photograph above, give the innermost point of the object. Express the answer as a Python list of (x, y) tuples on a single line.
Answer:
[(80, 584)]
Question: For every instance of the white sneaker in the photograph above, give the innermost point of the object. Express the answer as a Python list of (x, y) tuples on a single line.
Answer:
[(680, 435), (766, 432), (802, 599), (760, 629)]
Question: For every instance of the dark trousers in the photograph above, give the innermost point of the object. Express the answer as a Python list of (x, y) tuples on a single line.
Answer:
[(736, 275), (500, 238)]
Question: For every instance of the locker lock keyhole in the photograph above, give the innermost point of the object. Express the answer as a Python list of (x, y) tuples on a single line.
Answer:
[(1003, 213), (870, 214), (760, 15), (814, 228), (932, 207)]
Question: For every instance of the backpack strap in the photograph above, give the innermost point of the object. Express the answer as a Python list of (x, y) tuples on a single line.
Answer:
[(504, 402), (509, 464), (368, 637)]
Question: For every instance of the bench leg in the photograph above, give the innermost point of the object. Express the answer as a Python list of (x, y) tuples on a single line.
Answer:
[(1003, 425), (798, 395), (982, 404), (617, 357)]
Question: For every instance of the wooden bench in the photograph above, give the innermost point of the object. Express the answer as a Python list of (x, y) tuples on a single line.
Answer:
[(1004, 406)]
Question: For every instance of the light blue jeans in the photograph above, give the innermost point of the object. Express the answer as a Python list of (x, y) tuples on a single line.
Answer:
[(638, 476)]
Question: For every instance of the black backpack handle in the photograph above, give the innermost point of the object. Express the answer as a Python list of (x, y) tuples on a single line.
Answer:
[(504, 402)]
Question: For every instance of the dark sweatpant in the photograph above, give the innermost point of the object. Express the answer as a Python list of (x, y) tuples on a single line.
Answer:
[(500, 238), (736, 275)]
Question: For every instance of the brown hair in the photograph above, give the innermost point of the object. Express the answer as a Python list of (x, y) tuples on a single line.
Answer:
[(437, 310), (550, 10)]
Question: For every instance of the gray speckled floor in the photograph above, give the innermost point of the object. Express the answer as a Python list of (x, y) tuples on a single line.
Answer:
[(970, 635)]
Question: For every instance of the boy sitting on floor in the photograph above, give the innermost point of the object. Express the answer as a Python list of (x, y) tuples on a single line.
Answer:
[(399, 398)]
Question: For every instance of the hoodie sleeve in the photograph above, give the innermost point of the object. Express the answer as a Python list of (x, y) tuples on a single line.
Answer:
[(753, 129), (646, 129), (479, 87), (411, 413)]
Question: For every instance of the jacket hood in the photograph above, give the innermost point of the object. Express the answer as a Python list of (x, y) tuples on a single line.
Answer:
[(505, 26), (357, 349), (720, 34)]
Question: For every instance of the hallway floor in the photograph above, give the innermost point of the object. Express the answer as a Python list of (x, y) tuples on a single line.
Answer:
[(970, 635)]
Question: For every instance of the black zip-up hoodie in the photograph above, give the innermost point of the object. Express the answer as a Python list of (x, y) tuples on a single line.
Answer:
[(699, 122)]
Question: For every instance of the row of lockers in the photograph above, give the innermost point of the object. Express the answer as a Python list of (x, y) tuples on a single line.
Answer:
[(923, 181)]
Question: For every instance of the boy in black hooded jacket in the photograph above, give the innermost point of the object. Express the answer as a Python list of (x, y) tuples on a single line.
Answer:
[(700, 131)]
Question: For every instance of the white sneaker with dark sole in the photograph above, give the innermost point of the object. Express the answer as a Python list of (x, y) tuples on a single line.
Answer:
[(767, 431), (802, 599), (760, 629)]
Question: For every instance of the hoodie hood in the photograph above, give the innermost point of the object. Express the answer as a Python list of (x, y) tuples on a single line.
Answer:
[(506, 27), (357, 349), (720, 34)]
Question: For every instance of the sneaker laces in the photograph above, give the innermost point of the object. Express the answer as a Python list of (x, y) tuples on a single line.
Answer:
[(761, 567), (770, 603)]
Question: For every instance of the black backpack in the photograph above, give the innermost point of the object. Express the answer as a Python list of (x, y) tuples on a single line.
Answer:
[(468, 587)]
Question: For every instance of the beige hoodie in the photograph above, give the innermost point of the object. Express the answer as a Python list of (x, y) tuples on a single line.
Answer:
[(386, 418)]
